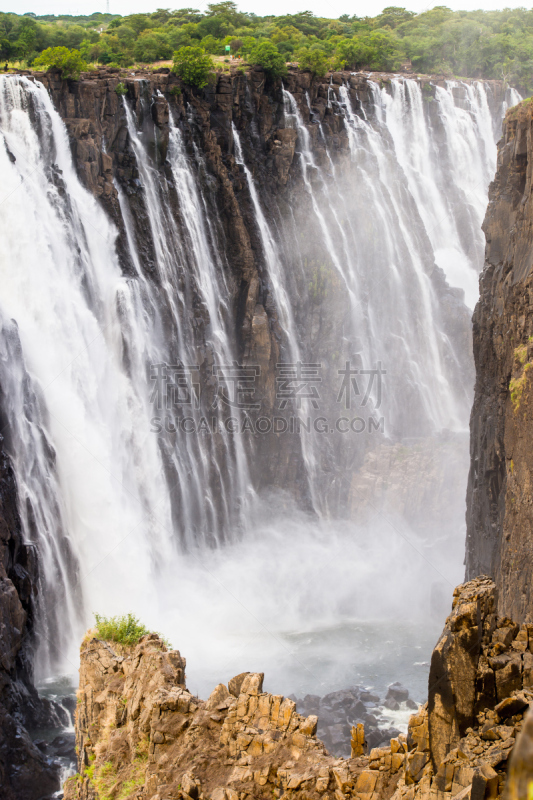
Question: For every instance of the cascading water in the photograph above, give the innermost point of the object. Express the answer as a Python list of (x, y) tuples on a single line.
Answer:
[(128, 514), (97, 487), (195, 464), (447, 178), (86, 465), (411, 195), (371, 237)]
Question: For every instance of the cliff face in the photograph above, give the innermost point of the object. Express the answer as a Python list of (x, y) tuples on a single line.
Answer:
[(25, 773), (106, 161), (141, 734), (500, 514)]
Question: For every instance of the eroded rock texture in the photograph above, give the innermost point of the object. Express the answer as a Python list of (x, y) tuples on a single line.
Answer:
[(141, 734), (500, 513)]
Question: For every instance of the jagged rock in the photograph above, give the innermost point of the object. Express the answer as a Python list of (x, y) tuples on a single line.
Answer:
[(136, 722), (453, 671), (512, 705), (138, 726), (218, 696), (397, 692), (358, 742), (234, 685)]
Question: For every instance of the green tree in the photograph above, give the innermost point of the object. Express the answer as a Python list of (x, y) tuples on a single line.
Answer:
[(193, 65), (352, 54), (69, 62), (211, 45), (393, 16), (27, 38), (387, 51), (267, 55), (152, 46), (315, 59)]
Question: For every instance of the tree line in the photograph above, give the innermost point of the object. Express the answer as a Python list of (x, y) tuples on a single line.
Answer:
[(469, 44)]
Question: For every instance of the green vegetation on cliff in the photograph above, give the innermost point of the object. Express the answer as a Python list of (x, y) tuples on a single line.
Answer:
[(474, 44), (518, 383), (192, 65), (125, 629), (69, 62)]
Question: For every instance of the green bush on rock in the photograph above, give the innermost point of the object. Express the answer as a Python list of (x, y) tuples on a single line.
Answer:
[(126, 629), (193, 65), (69, 62), (267, 55), (313, 59)]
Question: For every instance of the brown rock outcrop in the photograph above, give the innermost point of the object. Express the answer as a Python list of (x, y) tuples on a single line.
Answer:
[(479, 690), (500, 513), (141, 734), (520, 778), (454, 666)]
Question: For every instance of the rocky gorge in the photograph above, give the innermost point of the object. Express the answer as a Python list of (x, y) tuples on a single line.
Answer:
[(140, 733)]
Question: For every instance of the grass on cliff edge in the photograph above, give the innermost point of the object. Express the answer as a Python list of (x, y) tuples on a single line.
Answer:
[(126, 629)]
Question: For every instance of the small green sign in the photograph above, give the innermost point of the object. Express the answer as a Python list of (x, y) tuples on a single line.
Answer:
[(228, 48)]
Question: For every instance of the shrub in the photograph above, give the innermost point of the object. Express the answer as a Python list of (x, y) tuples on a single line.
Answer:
[(193, 65), (120, 88), (267, 55), (352, 54), (313, 59), (125, 630), (69, 62), (286, 49)]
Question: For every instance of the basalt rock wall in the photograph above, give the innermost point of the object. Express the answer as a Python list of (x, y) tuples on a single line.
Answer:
[(25, 773), (500, 514)]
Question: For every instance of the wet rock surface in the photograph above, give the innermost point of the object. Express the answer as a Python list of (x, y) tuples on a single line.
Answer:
[(26, 771), (338, 712)]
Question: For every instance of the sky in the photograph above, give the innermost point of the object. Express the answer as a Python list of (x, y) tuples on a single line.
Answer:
[(331, 8)]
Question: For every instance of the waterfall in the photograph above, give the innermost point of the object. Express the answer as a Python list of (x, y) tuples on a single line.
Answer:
[(107, 502), (448, 178), (195, 463), (89, 472), (412, 195), (397, 265), (103, 368), (271, 254)]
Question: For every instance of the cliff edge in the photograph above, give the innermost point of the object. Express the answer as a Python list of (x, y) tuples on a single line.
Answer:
[(499, 508)]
